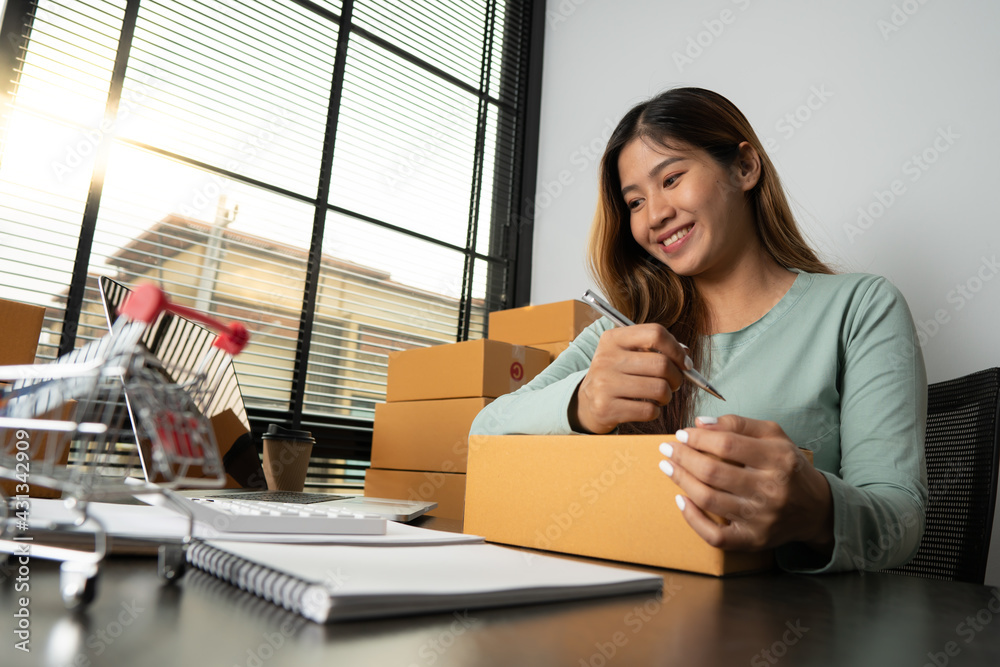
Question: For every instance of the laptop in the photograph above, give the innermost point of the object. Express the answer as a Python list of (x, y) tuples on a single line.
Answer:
[(177, 342)]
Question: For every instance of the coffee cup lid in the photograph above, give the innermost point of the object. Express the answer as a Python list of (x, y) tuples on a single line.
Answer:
[(280, 433)]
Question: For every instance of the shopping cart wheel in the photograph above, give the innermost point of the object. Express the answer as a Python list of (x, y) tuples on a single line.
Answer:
[(78, 584), (171, 561)]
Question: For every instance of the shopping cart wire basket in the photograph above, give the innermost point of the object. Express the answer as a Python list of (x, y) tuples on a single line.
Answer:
[(75, 426)]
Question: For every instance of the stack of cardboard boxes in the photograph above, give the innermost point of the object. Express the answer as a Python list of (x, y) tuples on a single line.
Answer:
[(420, 439)]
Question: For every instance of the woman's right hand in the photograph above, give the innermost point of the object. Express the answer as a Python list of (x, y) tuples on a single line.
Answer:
[(635, 371)]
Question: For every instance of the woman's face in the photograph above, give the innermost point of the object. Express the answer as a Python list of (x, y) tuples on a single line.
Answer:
[(685, 209)]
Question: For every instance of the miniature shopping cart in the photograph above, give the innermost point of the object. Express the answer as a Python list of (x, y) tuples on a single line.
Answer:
[(74, 427)]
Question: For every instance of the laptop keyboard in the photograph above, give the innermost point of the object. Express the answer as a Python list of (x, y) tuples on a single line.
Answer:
[(255, 516), (299, 497)]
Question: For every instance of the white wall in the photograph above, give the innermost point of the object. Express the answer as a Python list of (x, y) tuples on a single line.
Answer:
[(888, 80)]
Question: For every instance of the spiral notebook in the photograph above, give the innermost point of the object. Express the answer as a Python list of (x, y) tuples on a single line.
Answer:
[(327, 583)]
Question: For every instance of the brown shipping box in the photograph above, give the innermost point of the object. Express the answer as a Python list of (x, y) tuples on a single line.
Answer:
[(46, 450), (446, 489), (475, 368), (228, 429), (602, 496), (22, 325), (424, 435), (554, 349), (549, 323)]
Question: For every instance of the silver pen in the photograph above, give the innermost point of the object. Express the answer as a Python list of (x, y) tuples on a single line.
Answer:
[(608, 311)]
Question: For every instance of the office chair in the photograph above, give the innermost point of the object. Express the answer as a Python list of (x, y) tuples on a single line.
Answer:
[(962, 447)]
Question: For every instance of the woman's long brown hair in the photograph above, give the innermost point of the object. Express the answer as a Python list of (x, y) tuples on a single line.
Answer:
[(644, 288)]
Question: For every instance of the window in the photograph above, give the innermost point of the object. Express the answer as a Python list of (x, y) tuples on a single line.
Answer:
[(343, 177)]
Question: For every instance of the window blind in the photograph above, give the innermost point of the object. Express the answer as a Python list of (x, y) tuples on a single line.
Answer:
[(342, 177)]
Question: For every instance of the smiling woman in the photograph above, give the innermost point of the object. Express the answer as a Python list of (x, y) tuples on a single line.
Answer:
[(694, 240), (707, 156)]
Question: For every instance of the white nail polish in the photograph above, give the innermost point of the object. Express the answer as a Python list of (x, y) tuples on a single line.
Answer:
[(708, 420), (684, 346), (667, 468), (680, 501), (666, 449), (688, 364), (682, 436)]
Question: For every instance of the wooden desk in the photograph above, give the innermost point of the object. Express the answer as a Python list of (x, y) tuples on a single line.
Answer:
[(771, 619)]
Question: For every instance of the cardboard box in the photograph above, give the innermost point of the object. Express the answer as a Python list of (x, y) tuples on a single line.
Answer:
[(424, 435), (554, 349), (22, 325), (550, 323), (602, 496), (46, 449), (228, 429), (446, 489), (474, 368)]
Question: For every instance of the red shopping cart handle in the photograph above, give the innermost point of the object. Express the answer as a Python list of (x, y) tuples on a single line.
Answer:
[(147, 301)]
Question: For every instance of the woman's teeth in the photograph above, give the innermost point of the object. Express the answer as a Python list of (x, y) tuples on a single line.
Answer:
[(678, 235)]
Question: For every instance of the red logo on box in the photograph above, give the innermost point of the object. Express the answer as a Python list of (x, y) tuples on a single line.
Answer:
[(517, 371)]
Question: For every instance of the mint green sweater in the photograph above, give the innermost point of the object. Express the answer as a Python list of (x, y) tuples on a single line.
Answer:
[(837, 365)]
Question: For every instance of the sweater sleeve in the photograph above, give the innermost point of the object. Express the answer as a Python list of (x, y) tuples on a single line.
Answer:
[(541, 407), (880, 495)]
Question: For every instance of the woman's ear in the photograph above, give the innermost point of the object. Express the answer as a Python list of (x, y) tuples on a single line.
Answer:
[(746, 170)]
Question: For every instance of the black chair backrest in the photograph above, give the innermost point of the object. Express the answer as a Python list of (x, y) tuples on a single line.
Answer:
[(962, 448)]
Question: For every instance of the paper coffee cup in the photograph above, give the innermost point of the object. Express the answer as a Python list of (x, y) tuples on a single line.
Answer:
[(286, 458)]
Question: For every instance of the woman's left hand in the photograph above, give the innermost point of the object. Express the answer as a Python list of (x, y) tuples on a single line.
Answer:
[(764, 487)]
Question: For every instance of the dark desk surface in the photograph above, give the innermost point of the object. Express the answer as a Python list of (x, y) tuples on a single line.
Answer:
[(769, 619)]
